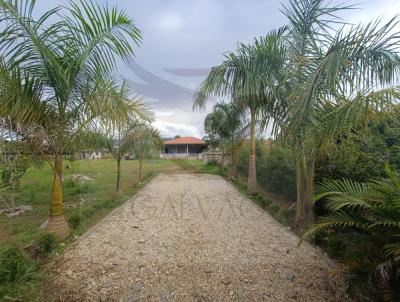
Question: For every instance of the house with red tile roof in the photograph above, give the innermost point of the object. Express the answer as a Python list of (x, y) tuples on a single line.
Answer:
[(183, 147)]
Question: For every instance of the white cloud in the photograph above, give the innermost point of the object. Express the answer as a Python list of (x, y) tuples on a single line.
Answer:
[(168, 21), (168, 129), (179, 122)]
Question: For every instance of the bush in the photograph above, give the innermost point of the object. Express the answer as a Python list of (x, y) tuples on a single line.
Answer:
[(88, 211), (72, 187), (14, 266), (108, 204), (97, 206), (46, 243), (275, 168), (286, 216), (75, 220), (212, 163), (363, 221), (267, 202), (274, 208)]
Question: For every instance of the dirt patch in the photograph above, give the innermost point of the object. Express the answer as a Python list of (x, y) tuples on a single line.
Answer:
[(190, 237)]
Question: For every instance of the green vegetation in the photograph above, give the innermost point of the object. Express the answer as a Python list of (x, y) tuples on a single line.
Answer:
[(276, 172), (364, 219), (226, 127), (197, 166), (57, 79), (250, 77), (18, 274)]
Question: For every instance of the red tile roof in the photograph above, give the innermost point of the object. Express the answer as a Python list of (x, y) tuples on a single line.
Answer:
[(187, 140)]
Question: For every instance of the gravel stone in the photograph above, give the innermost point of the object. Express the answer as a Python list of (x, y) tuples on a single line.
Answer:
[(205, 241)]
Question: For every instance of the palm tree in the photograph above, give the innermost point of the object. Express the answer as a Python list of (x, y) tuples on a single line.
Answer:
[(226, 126), (56, 77), (335, 77), (250, 76), (119, 136), (365, 217), (148, 144)]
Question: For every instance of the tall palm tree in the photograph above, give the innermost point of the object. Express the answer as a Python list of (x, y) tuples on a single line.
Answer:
[(250, 76), (335, 76), (57, 76)]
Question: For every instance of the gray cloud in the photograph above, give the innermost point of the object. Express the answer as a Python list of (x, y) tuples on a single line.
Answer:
[(183, 39)]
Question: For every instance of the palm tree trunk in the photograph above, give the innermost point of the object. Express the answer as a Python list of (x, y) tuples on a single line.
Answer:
[(233, 162), (57, 223), (305, 187), (222, 165), (252, 173), (118, 175), (140, 169)]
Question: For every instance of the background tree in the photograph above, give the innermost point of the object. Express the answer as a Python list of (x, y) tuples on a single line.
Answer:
[(119, 135), (56, 75), (335, 77), (148, 144), (250, 76), (227, 127)]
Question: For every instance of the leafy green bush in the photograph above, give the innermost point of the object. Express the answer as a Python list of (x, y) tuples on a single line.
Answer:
[(365, 217), (212, 163), (88, 211), (14, 266), (274, 208), (286, 216), (46, 243), (275, 168), (74, 220), (267, 202), (72, 187), (276, 171), (108, 204)]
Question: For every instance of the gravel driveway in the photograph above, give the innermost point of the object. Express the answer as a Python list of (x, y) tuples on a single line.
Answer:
[(188, 237)]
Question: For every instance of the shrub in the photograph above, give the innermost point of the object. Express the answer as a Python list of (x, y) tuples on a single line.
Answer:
[(72, 187), (108, 204), (74, 220), (14, 266), (275, 168), (276, 171), (267, 202), (366, 218), (88, 211), (286, 216), (46, 243), (274, 208), (212, 163), (97, 206)]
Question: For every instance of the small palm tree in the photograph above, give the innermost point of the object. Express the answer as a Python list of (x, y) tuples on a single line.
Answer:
[(366, 218), (56, 77), (250, 76), (119, 135), (147, 145)]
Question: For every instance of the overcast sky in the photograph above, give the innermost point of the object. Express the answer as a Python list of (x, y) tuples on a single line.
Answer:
[(182, 39)]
